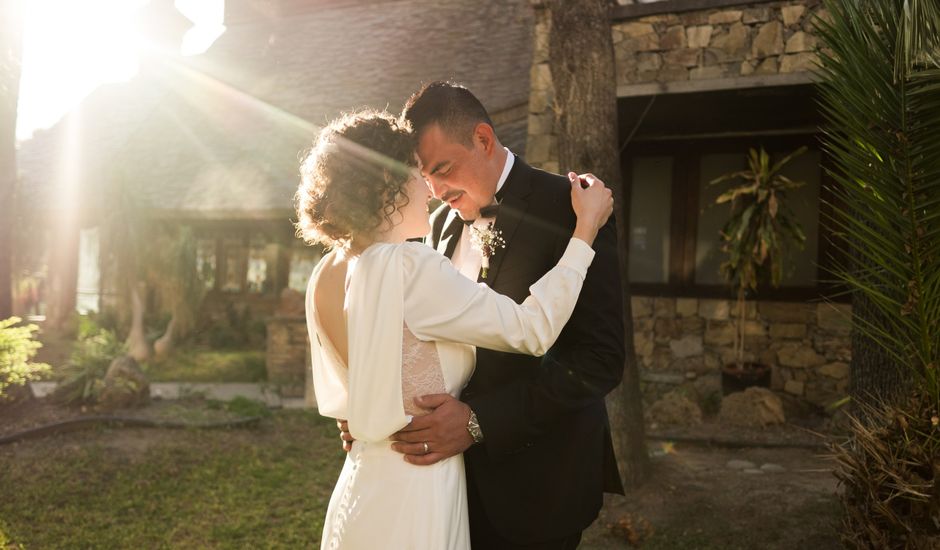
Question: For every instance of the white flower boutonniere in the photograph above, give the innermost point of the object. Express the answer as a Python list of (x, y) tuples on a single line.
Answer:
[(486, 240)]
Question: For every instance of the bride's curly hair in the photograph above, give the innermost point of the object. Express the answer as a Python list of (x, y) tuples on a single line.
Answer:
[(353, 178)]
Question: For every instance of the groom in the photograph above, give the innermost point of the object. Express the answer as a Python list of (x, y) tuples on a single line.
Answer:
[(534, 430)]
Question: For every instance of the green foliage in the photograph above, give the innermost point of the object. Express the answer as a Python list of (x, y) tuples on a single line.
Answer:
[(760, 229), (201, 365), (238, 329), (761, 223), (881, 98), (82, 378), (243, 406), (17, 347), (880, 93)]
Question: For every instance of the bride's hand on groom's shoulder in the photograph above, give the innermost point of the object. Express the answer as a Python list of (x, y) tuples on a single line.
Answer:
[(438, 435)]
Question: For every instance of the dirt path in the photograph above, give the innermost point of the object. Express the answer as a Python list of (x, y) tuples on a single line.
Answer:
[(695, 501)]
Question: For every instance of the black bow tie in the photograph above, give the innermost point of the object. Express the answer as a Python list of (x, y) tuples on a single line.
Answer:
[(485, 212)]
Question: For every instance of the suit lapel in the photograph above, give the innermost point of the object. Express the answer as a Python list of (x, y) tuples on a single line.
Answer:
[(453, 227), (512, 209)]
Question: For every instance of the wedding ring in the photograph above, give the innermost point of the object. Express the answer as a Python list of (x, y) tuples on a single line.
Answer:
[(426, 448)]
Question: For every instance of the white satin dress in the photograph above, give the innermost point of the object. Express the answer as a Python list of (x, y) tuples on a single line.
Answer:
[(413, 321)]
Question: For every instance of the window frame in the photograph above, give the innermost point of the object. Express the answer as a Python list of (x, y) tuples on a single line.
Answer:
[(685, 207)]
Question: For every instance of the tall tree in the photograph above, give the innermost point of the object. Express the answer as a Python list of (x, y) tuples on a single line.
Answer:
[(11, 47), (581, 60)]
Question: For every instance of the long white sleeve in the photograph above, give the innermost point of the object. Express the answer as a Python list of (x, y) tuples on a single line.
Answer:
[(394, 285), (442, 304)]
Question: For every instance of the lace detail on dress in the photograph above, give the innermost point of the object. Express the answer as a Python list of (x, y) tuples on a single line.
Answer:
[(421, 372)]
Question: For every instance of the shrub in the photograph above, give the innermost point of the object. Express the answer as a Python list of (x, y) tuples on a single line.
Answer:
[(17, 347), (82, 378)]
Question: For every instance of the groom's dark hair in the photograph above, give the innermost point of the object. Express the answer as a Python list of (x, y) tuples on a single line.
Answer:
[(453, 107)]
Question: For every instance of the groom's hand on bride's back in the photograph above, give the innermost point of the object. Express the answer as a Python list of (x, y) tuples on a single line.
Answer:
[(443, 430)]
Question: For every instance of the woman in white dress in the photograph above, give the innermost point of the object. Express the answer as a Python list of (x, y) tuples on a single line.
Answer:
[(390, 320)]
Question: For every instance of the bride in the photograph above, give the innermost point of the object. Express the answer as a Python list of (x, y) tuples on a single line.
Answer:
[(390, 320)]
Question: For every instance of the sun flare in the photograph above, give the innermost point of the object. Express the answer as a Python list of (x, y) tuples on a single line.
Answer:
[(70, 48)]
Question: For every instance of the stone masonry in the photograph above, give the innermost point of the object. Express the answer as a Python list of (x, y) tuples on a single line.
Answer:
[(807, 345), (755, 40), (287, 354), (683, 339)]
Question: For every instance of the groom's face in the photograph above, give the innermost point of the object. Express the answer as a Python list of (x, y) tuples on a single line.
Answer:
[(459, 174)]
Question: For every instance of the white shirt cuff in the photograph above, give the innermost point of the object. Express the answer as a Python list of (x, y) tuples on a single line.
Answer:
[(578, 256)]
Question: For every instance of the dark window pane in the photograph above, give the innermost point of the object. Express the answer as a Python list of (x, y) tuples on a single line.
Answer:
[(650, 207), (711, 218), (800, 265)]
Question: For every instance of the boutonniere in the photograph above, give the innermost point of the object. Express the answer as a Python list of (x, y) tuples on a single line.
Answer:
[(486, 240)]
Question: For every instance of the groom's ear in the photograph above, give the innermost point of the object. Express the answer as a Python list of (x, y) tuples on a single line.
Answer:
[(484, 135)]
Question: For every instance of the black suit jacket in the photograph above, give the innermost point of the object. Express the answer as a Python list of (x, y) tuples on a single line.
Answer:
[(547, 457)]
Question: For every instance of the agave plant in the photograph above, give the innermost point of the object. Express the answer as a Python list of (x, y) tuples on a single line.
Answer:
[(760, 229), (880, 94)]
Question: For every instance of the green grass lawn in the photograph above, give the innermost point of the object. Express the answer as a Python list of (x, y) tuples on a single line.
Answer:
[(198, 365), (266, 487)]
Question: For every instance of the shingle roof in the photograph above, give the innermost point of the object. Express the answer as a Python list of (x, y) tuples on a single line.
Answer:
[(220, 134)]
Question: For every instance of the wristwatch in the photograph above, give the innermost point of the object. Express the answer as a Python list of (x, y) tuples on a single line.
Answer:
[(473, 426)]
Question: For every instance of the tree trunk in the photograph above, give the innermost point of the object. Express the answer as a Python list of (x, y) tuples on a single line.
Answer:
[(165, 344), (137, 346), (10, 55), (581, 61), (875, 377)]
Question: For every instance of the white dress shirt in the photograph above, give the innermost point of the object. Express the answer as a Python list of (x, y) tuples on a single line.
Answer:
[(468, 259)]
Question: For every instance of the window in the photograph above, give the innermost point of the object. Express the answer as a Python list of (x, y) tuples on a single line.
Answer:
[(205, 261), (89, 274), (235, 264), (649, 219), (674, 225), (261, 255), (303, 260), (243, 256)]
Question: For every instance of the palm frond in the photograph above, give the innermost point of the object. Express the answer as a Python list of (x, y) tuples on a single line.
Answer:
[(880, 96)]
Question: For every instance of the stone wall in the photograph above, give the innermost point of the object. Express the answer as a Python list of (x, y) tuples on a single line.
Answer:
[(288, 354), (762, 39), (807, 345), (709, 47), (683, 340)]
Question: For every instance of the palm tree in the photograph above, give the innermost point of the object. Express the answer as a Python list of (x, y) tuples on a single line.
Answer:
[(881, 98), (880, 93), (127, 232), (176, 275)]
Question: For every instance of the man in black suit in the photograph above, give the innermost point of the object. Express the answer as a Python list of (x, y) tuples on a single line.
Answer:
[(534, 430)]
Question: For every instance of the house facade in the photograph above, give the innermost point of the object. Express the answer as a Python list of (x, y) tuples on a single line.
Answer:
[(213, 142), (699, 82)]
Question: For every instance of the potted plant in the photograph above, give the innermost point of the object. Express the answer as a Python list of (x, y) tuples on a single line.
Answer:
[(760, 227)]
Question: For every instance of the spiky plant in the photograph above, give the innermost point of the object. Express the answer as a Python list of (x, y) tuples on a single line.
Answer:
[(880, 94), (759, 230)]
